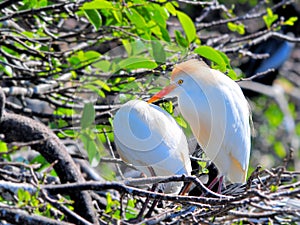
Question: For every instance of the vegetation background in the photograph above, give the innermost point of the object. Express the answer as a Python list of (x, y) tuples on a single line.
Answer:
[(67, 66)]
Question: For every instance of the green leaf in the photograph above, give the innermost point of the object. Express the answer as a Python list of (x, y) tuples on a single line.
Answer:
[(279, 149), (136, 18), (94, 88), (297, 128), (231, 26), (171, 9), (23, 196), (291, 21), (167, 106), (137, 63), (232, 74), (181, 122), (270, 18), (92, 144), (213, 55), (130, 209), (6, 69), (74, 60), (28, 34), (3, 146), (88, 115), (134, 48), (103, 65), (111, 204), (239, 28), (274, 115), (159, 15), (94, 17), (165, 34), (91, 55), (180, 39), (92, 147), (40, 160), (97, 4), (273, 188), (158, 50), (102, 84), (187, 25), (43, 3), (117, 15)]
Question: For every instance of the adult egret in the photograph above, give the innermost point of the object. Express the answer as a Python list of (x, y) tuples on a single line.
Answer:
[(150, 139), (218, 114)]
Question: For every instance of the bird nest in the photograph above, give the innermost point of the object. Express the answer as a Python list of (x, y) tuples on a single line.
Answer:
[(268, 197)]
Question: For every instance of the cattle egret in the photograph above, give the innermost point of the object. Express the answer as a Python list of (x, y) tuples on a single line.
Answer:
[(150, 139), (218, 114)]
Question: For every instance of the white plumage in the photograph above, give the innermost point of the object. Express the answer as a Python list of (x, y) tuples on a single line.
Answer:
[(150, 139), (217, 112)]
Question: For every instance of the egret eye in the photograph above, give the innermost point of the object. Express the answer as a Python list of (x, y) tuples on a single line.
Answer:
[(180, 82)]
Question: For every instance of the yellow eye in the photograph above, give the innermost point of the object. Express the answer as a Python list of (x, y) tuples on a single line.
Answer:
[(180, 82)]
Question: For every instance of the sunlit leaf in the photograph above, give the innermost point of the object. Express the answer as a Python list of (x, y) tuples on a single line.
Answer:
[(187, 25), (270, 18), (94, 88), (102, 84), (213, 55), (159, 16), (167, 106), (97, 4), (239, 28), (181, 122), (136, 18), (118, 16), (291, 21), (103, 65), (171, 9), (94, 17), (91, 55), (3, 146), (137, 63)]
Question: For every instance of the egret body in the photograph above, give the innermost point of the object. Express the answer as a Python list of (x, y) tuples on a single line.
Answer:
[(150, 139), (218, 114)]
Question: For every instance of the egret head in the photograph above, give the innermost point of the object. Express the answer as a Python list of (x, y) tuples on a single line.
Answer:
[(183, 77)]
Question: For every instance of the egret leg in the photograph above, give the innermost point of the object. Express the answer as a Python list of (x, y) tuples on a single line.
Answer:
[(141, 213), (214, 182), (143, 209), (220, 184), (186, 188), (155, 202)]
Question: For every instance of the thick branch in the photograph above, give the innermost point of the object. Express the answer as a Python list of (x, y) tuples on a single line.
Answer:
[(17, 216), (16, 128)]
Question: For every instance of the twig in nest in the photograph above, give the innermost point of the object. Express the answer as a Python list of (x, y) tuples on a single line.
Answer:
[(253, 176)]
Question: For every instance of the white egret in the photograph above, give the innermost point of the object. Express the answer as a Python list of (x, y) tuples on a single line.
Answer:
[(150, 139), (218, 114)]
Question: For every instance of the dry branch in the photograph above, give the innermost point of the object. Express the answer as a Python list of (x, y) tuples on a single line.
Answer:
[(17, 128)]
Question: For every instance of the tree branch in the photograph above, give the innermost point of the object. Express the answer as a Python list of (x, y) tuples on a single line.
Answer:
[(16, 128)]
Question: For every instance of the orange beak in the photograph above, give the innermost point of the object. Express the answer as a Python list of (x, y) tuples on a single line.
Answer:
[(162, 93)]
